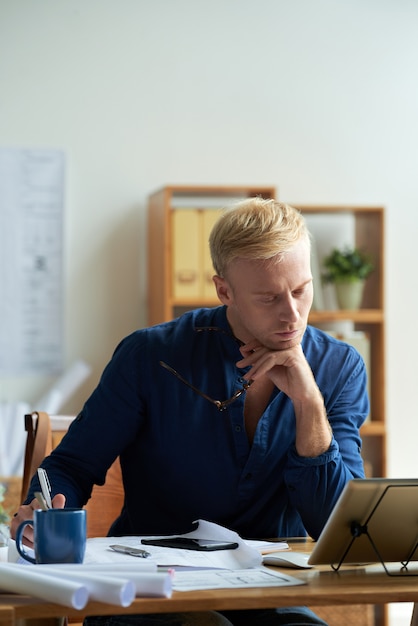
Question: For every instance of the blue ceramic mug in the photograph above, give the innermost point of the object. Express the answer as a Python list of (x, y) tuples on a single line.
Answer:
[(59, 536)]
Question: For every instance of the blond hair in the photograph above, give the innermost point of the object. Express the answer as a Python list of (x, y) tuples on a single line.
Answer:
[(255, 229)]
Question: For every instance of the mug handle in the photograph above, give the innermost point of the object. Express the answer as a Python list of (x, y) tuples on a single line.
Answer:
[(19, 544)]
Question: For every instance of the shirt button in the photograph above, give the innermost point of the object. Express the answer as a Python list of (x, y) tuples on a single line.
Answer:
[(237, 429), (248, 476)]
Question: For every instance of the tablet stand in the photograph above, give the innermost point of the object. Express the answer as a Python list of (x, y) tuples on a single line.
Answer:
[(358, 529)]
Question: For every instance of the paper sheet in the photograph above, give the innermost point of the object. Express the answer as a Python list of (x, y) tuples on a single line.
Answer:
[(242, 557), (31, 259), (229, 579), (172, 557)]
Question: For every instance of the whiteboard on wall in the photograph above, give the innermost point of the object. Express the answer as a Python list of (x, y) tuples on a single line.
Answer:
[(31, 261)]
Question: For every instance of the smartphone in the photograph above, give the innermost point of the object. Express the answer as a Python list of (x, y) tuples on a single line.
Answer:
[(188, 543)]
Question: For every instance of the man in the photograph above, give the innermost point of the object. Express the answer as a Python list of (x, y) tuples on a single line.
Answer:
[(241, 414)]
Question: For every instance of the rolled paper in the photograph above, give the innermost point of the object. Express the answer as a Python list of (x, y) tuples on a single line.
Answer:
[(64, 387), (147, 583), (110, 588), (152, 585), (132, 565), (30, 581)]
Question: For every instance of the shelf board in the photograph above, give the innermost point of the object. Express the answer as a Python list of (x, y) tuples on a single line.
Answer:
[(315, 317), (195, 303), (340, 209), (210, 190), (360, 315), (373, 428)]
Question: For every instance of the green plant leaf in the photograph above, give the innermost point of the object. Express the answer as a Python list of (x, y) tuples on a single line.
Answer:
[(347, 265)]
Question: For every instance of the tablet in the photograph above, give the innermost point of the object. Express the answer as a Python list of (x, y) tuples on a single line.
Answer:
[(389, 510)]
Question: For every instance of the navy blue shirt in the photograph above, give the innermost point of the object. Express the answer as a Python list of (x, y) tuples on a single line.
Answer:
[(182, 459)]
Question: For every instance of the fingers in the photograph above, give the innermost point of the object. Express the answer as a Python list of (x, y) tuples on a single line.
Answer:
[(260, 366), (58, 501), (287, 369), (250, 347), (260, 359), (24, 512)]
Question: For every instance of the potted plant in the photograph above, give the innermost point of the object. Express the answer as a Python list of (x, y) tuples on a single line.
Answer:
[(347, 269)]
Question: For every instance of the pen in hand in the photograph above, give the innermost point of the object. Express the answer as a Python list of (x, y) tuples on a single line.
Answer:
[(45, 487), (41, 500)]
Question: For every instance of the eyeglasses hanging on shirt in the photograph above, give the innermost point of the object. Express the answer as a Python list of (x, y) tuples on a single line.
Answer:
[(220, 404)]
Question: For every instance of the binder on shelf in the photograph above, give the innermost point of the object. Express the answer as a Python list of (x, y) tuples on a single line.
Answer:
[(208, 219), (192, 263), (186, 252)]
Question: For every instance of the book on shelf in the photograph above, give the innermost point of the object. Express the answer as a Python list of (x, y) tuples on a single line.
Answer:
[(186, 252)]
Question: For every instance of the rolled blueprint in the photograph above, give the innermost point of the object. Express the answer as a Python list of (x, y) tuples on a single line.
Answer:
[(112, 589), (64, 387), (74, 586), (147, 583), (30, 581)]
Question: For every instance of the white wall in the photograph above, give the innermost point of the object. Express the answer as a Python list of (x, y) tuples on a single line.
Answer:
[(318, 97)]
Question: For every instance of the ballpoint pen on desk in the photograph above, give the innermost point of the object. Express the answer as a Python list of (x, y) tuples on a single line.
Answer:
[(131, 551), (142, 554), (45, 487)]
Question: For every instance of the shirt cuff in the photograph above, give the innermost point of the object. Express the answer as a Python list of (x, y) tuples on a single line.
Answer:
[(308, 461)]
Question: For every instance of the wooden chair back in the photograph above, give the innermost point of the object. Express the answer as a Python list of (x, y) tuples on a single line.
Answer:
[(44, 432), (38, 446)]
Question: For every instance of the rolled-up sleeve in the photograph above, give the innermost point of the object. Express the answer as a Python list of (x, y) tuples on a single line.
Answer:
[(314, 484)]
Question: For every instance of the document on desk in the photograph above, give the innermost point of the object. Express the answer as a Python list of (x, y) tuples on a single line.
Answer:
[(248, 554), (232, 579)]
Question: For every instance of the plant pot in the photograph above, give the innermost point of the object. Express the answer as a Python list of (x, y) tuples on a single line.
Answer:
[(349, 294)]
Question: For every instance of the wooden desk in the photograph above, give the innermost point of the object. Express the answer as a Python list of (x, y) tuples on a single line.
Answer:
[(324, 587)]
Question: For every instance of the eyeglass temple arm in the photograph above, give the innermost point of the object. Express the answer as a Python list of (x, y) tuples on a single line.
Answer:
[(192, 387)]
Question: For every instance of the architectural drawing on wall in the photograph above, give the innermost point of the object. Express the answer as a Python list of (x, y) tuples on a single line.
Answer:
[(31, 261)]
